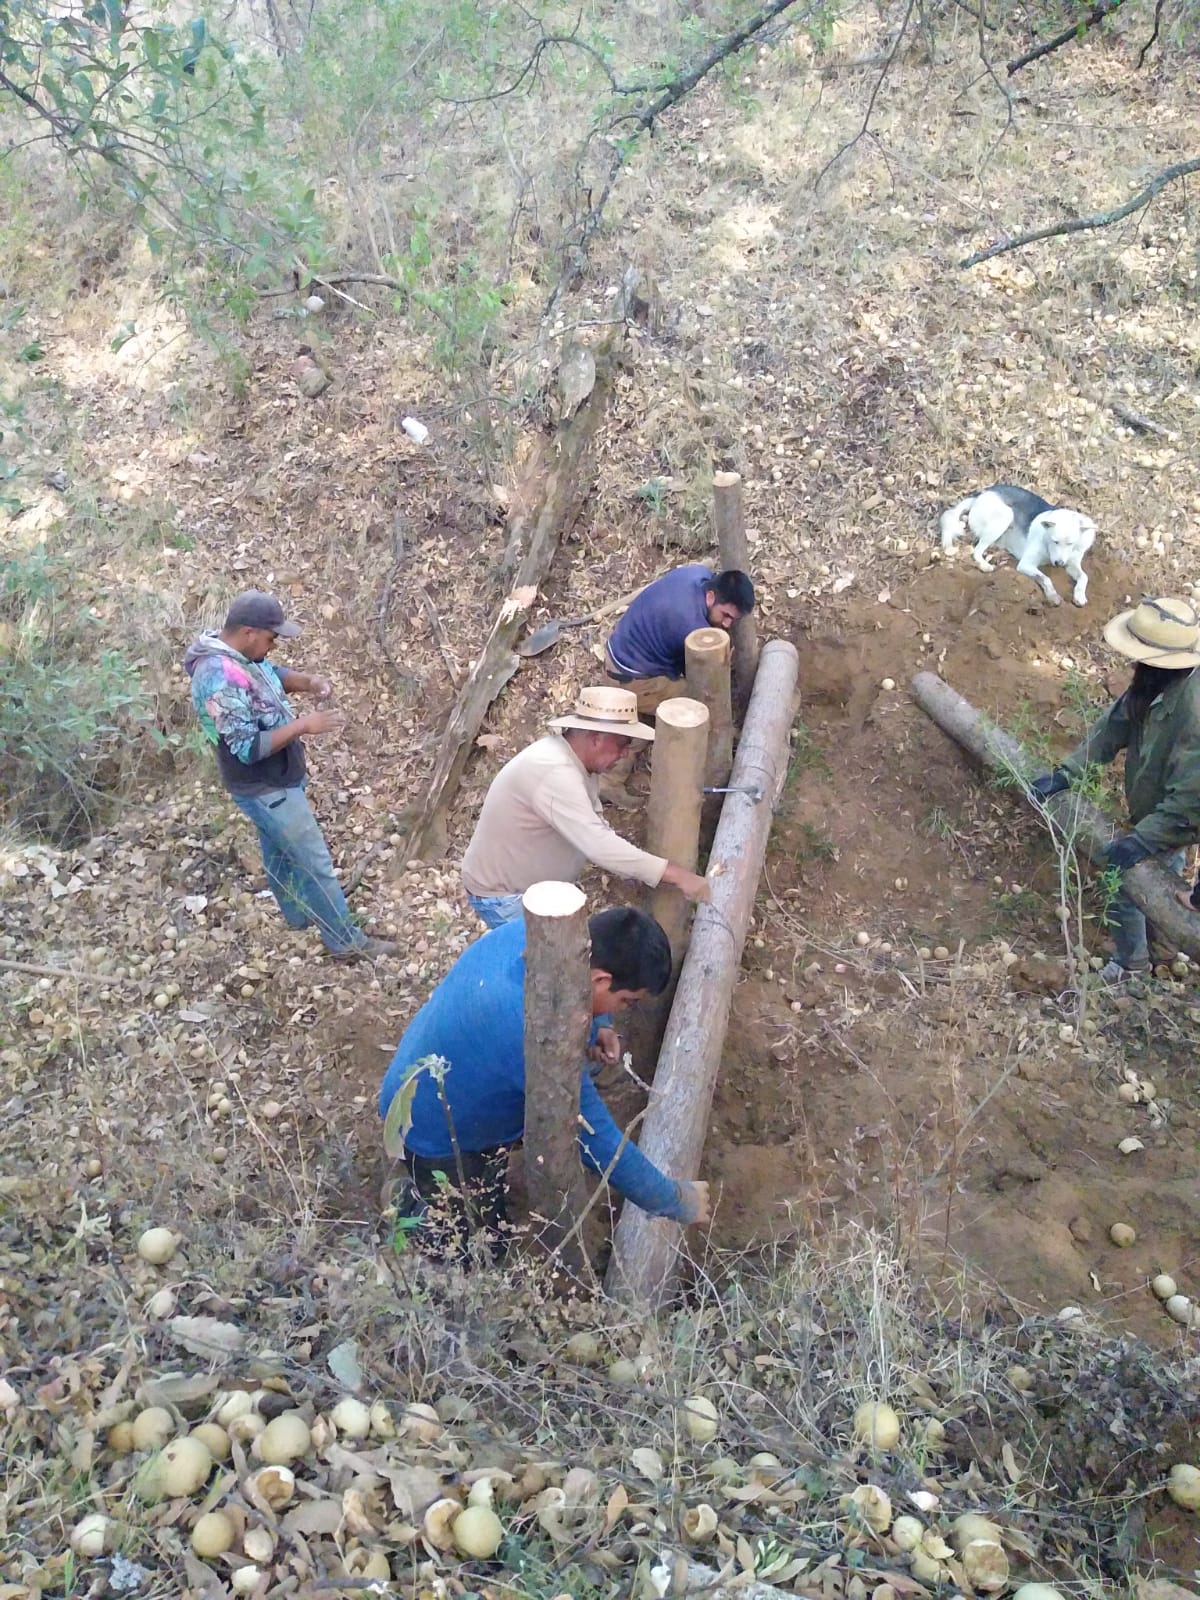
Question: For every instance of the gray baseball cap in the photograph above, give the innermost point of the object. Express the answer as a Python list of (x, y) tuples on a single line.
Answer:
[(254, 609)]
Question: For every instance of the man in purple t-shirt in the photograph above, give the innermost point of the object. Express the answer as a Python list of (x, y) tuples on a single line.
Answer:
[(645, 649)]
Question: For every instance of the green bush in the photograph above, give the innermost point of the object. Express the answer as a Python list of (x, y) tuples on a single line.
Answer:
[(75, 717)]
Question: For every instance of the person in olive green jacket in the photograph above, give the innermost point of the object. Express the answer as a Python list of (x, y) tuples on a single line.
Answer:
[(1157, 724)]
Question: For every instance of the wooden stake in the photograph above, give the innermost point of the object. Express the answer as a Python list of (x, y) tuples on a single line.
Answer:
[(730, 518), (1150, 885), (673, 814), (707, 654), (558, 1022), (644, 1248)]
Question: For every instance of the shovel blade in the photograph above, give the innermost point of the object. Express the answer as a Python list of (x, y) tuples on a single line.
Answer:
[(540, 639)]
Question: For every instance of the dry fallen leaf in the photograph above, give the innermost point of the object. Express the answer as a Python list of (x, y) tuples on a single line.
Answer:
[(207, 1337)]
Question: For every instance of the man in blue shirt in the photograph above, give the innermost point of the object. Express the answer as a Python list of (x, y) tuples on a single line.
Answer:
[(461, 1113), (645, 649)]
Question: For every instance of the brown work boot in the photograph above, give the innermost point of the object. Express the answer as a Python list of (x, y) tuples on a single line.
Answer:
[(368, 950)]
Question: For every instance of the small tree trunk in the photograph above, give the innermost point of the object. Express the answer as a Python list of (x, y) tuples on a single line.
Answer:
[(1150, 885), (644, 1257), (558, 1022), (731, 543)]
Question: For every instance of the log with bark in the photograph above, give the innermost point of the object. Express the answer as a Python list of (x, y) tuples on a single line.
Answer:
[(730, 516), (563, 467), (1150, 885), (645, 1249), (558, 1023)]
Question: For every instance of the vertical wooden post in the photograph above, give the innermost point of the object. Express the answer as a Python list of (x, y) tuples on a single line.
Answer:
[(707, 654), (673, 815), (645, 1248), (730, 518), (672, 830), (558, 1022)]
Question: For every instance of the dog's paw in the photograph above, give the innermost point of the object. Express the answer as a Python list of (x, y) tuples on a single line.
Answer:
[(1080, 599), (1054, 598)]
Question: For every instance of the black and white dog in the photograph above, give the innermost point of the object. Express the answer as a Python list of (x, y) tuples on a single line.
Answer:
[(1028, 527)]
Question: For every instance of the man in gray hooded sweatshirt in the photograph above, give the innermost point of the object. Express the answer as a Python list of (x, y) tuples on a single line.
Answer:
[(242, 702)]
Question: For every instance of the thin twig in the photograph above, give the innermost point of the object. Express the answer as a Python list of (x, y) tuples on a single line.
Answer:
[(439, 634), (878, 85), (1099, 219)]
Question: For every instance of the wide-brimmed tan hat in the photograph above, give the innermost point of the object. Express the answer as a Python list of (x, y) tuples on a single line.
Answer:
[(1160, 632), (605, 711)]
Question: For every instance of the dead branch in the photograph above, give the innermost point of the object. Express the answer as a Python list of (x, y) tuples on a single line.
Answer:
[(1145, 50), (1102, 9), (439, 634), (36, 971), (1136, 421), (383, 611), (625, 130), (878, 85), (1099, 219), (564, 461)]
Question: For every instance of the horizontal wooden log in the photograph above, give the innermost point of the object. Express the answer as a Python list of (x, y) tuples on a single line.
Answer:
[(1150, 885), (645, 1248)]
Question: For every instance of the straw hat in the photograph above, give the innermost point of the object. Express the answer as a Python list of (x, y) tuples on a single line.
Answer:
[(607, 711), (1162, 633)]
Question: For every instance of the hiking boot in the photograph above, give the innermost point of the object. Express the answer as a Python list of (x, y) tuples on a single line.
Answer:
[(368, 950), (1113, 975)]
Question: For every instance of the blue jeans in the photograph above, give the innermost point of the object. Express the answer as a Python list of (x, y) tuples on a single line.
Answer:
[(496, 909), (1131, 944), (299, 867)]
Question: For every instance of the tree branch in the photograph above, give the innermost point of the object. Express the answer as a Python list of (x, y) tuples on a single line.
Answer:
[(644, 120), (878, 85), (1100, 219), (1102, 9), (1158, 9)]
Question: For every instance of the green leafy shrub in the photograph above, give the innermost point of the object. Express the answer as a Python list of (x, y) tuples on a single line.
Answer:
[(75, 716)]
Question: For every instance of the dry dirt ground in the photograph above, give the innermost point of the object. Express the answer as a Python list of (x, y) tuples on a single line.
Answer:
[(828, 349)]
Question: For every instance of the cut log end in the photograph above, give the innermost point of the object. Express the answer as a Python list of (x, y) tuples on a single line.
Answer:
[(681, 712), (726, 480), (551, 899), (707, 642)]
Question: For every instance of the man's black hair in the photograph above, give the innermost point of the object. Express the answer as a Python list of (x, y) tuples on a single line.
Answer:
[(733, 588), (631, 946), (1148, 683)]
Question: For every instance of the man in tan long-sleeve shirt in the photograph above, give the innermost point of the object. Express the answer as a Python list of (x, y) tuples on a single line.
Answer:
[(541, 817)]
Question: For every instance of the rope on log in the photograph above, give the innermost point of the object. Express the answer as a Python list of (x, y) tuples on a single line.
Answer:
[(645, 1258), (1150, 885)]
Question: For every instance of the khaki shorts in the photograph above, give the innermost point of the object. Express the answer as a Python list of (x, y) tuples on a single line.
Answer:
[(651, 692)]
